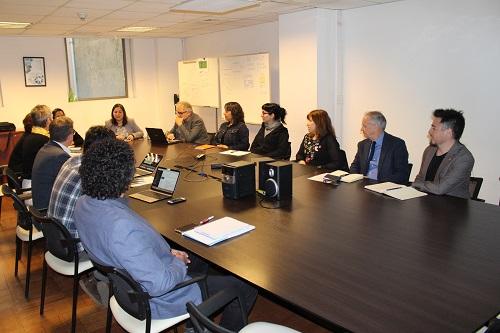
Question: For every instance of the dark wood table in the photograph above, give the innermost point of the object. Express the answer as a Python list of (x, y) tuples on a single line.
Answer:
[(350, 257)]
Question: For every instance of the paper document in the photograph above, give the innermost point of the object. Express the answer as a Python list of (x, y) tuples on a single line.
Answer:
[(345, 177), (214, 232), (397, 191), (234, 152)]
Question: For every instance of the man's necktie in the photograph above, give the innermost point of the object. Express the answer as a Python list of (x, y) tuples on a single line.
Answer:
[(372, 152)]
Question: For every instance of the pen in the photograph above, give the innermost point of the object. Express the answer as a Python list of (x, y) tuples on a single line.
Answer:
[(208, 219), (394, 188)]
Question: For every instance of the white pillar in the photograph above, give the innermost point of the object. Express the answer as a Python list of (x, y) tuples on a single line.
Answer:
[(308, 47)]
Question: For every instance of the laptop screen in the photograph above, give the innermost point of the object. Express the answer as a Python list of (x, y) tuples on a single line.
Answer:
[(150, 162), (165, 180)]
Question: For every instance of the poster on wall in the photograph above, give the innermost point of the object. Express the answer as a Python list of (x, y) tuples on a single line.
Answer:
[(34, 71)]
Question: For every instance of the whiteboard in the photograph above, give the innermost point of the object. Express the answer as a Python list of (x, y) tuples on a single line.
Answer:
[(245, 79), (199, 82)]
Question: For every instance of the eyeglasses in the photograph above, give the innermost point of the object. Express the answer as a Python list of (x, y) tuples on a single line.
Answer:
[(180, 113), (264, 112)]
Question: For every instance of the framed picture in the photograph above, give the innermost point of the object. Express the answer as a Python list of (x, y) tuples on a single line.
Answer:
[(34, 71)]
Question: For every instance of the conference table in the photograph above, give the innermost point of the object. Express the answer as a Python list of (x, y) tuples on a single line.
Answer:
[(348, 258)]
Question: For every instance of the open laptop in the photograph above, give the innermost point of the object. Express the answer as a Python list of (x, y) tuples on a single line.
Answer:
[(157, 137), (163, 186), (148, 164)]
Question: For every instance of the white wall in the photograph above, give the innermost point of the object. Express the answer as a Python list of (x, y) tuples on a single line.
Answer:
[(410, 57), (256, 39), (153, 78)]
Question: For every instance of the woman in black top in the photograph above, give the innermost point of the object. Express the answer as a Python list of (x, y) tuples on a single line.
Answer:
[(233, 133), (16, 158), (77, 138), (272, 138), (319, 146)]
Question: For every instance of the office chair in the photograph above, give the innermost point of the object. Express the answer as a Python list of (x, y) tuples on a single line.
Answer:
[(343, 161), (201, 323), (25, 232), (129, 304), (62, 256), (474, 188), (410, 166)]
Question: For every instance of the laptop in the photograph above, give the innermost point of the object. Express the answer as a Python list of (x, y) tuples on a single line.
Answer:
[(163, 186), (148, 164), (157, 137)]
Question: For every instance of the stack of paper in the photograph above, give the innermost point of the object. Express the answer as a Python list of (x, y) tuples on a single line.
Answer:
[(234, 152), (214, 232), (397, 191), (345, 177), (204, 147)]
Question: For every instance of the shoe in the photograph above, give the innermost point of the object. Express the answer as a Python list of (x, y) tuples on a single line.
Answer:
[(94, 289)]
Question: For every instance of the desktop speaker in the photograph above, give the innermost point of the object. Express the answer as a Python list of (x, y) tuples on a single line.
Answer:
[(238, 179), (278, 180), (263, 173)]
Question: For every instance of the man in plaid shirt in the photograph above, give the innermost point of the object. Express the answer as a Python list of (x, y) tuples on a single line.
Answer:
[(67, 186)]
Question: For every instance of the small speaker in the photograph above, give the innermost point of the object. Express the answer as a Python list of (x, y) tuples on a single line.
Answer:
[(278, 180), (238, 179), (262, 172)]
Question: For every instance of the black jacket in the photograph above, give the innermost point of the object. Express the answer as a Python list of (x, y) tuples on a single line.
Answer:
[(393, 161), (235, 136), (274, 145)]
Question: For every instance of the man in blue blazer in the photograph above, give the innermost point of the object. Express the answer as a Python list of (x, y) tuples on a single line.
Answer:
[(49, 160), (380, 156)]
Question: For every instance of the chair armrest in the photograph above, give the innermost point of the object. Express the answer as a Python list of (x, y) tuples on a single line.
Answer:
[(195, 279), (25, 196)]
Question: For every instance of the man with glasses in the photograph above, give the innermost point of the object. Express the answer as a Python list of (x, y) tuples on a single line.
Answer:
[(188, 127), (446, 163)]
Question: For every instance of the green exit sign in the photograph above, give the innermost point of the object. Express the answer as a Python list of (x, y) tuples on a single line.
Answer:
[(202, 64)]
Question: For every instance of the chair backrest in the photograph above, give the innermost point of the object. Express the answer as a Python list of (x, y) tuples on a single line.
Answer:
[(211, 138), (410, 166), (199, 313), (288, 152), (130, 296), (475, 186), (59, 241), (23, 215), (14, 180), (343, 161)]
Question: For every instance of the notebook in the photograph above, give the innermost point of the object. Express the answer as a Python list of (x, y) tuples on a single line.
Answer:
[(219, 230), (157, 137), (148, 164), (397, 191), (163, 186)]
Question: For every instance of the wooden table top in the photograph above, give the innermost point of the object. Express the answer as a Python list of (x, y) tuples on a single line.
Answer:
[(350, 257)]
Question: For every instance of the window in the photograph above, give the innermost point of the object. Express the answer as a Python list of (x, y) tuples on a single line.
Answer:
[(96, 68)]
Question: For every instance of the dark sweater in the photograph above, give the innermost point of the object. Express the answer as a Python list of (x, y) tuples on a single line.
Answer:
[(326, 156), (274, 145), (16, 157), (31, 145), (234, 136)]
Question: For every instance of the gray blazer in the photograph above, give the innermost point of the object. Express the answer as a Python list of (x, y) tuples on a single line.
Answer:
[(131, 128), (453, 175), (192, 130)]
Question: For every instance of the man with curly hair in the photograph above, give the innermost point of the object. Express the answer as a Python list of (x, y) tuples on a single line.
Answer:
[(114, 235)]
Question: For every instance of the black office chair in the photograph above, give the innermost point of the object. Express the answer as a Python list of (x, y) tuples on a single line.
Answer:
[(202, 323), (25, 232), (62, 256), (343, 161), (129, 304), (211, 138), (15, 182), (410, 166), (474, 188), (288, 152)]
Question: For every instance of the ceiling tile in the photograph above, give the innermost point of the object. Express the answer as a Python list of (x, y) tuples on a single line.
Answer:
[(148, 7), (71, 12), (99, 4), (26, 9)]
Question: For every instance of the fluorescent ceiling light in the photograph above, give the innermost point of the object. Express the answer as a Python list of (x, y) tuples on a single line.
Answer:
[(213, 7), (136, 29), (13, 25)]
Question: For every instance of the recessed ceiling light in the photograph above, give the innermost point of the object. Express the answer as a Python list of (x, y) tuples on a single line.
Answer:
[(13, 25), (137, 29), (213, 7)]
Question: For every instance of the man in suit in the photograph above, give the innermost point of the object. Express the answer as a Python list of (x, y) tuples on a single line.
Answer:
[(49, 160), (188, 127), (380, 156), (446, 163)]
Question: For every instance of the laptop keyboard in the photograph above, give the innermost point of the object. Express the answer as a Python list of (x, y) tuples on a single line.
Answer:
[(156, 195)]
